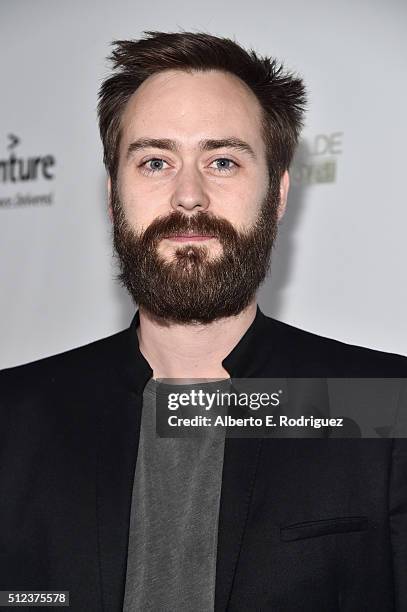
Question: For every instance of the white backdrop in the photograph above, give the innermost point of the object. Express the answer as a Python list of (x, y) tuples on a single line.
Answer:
[(339, 266)]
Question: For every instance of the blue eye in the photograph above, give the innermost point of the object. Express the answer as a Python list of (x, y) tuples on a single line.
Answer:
[(223, 164), (154, 165)]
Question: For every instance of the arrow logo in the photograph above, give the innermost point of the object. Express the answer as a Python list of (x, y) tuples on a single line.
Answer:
[(14, 141)]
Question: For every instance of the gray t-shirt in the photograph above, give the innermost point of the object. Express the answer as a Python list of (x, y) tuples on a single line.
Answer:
[(171, 563)]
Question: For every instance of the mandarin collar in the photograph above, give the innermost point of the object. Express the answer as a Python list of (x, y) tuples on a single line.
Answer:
[(243, 361)]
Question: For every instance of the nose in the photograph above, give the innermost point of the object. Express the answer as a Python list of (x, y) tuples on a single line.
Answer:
[(189, 193)]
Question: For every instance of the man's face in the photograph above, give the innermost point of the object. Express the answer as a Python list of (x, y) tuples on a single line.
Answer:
[(194, 214)]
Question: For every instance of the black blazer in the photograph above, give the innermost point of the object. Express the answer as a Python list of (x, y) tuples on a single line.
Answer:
[(316, 525)]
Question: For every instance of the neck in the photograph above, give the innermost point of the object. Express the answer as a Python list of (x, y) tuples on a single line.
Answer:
[(182, 350)]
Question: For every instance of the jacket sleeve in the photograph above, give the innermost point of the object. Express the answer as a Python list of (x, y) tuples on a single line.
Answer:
[(398, 503)]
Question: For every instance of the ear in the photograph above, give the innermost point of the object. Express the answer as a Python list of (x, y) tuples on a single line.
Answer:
[(284, 187), (109, 198)]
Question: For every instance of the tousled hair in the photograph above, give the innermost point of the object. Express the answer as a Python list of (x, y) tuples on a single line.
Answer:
[(281, 94)]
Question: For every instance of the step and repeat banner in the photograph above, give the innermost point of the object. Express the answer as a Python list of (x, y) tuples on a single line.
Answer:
[(339, 267)]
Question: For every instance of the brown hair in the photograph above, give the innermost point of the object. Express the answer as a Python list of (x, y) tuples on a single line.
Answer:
[(280, 94)]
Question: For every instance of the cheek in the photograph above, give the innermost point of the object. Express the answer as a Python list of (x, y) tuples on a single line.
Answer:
[(241, 207), (139, 205)]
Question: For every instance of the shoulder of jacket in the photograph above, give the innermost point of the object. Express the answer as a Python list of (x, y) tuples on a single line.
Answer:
[(73, 362), (353, 359)]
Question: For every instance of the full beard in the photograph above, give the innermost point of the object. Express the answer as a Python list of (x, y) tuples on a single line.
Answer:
[(194, 286)]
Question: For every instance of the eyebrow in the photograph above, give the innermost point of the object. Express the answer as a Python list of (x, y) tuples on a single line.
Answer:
[(204, 145)]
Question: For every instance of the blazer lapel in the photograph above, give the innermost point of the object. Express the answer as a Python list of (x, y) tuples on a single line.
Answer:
[(118, 445), (119, 432), (260, 353), (240, 463)]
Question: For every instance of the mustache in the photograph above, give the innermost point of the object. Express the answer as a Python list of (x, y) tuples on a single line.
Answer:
[(204, 224)]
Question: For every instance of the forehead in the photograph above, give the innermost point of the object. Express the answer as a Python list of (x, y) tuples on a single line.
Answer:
[(191, 106)]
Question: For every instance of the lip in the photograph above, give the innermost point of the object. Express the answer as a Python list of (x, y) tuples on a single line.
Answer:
[(189, 238)]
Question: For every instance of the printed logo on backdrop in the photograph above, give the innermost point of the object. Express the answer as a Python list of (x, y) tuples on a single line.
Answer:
[(316, 161), (25, 179)]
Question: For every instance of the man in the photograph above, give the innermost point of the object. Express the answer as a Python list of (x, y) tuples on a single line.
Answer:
[(198, 137)]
